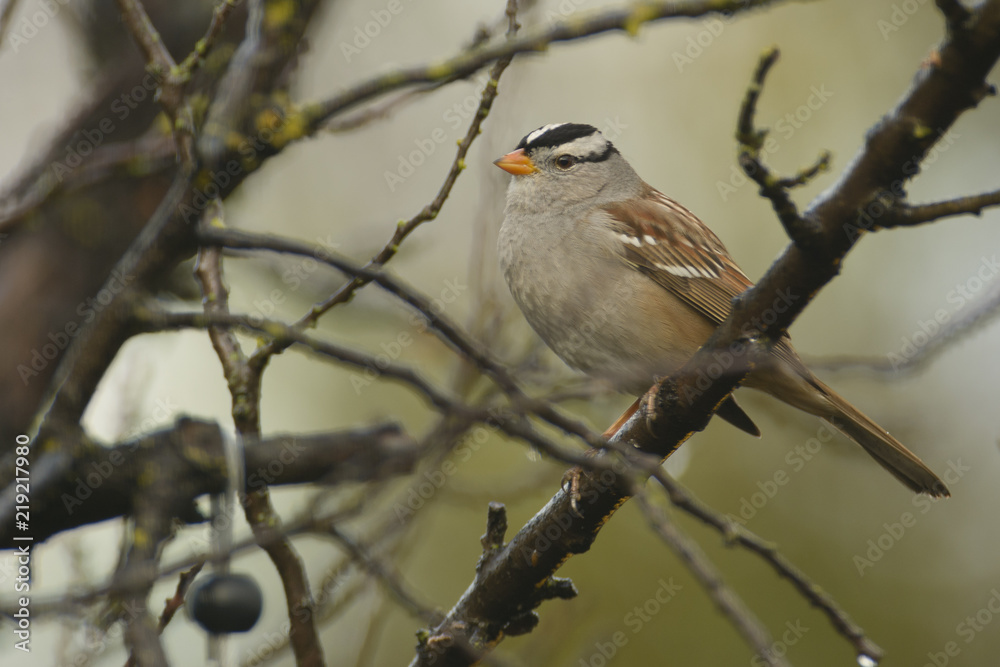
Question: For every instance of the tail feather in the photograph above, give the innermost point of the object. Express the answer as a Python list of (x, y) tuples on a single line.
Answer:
[(791, 381), (890, 453)]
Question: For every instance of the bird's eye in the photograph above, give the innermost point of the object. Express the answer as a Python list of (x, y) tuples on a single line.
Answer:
[(565, 161)]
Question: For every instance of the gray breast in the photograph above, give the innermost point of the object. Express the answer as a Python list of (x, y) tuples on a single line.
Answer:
[(580, 297)]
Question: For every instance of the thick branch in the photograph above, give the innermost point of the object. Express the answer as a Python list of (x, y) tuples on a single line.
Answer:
[(98, 483)]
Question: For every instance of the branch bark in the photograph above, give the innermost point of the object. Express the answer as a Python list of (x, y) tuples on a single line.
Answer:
[(99, 482)]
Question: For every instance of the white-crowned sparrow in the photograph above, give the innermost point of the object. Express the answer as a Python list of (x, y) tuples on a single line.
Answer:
[(625, 284)]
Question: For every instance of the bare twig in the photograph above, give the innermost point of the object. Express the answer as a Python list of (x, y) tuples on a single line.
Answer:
[(390, 579), (909, 215), (583, 24), (751, 141), (403, 230), (737, 534), (193, 61), (172, 604), (725, 598), (244, 387), (146, 36)]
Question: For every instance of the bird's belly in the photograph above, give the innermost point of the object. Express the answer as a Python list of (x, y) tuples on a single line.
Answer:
[(615, 330)]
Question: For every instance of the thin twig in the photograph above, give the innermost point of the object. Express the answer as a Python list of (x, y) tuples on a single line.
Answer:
[(403, 230), (774, 188), (174, 603), (913, 357), (909, 215), (737, 534), (193, 61), (137, 21), (583, 24), (391, 580), (244, 387), (725, 598), (150, 153)]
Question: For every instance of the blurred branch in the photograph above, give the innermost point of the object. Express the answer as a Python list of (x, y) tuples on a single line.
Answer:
[(6, 12), (390, 579), (448, 331), (404, 229), (583, 24), (955, 13), (172, 604), (204, 45), (737, 534), (729, 603), (135, 18), (99, 482), (150, 153), (941, 336), (244, 387), (258, 63)]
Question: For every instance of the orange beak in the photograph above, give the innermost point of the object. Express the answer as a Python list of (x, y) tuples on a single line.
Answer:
[(516, 163)]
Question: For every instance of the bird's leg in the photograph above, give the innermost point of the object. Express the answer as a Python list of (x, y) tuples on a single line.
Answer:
[(571, 478)]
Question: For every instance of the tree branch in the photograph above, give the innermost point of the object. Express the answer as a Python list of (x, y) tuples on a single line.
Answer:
[(910, 215), (97, 484)]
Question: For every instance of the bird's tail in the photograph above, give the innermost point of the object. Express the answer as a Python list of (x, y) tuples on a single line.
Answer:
[(792, 382), (889, 452)]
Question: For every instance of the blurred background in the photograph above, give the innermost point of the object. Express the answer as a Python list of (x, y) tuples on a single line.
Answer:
[(922, 578)]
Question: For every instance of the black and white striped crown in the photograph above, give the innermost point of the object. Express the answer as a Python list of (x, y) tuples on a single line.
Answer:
[(583, 141)]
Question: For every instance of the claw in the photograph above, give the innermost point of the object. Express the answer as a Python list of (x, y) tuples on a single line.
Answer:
[(572, 479)]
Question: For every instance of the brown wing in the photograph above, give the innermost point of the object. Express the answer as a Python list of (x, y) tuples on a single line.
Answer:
[(672, 246)]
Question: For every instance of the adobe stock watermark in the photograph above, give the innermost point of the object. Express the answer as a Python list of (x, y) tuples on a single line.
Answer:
[(88, 140), (597, 485), (696, 45), (292, 278), (882, 201), (393, 348), (796, 459), (454, 117), (25, 29), (363, 35), (898, 17), (428, 483), (96, 642), (927, 330), (785, 127), (101, 471), (967, 629), (563, 10), (779, 648), (271, 642), (211, 185), (59, 340), (725, 359), (894, 532), (635, 621)]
